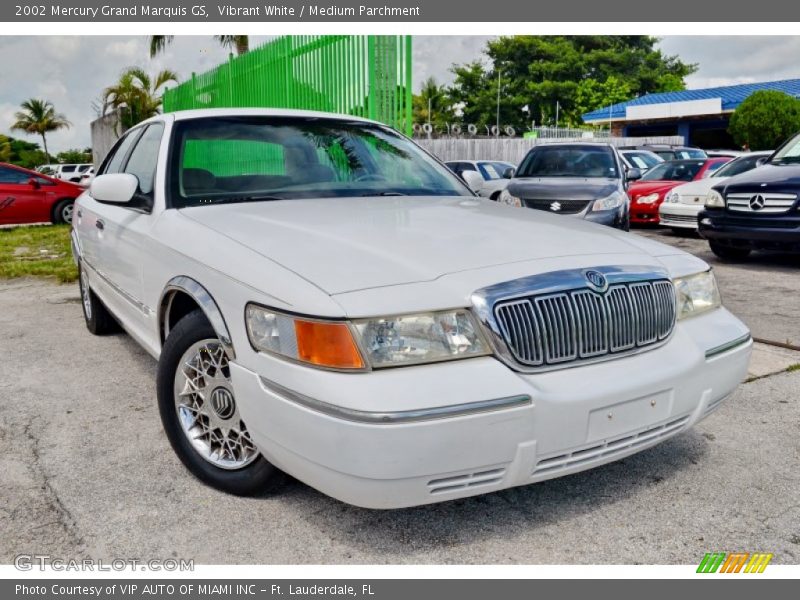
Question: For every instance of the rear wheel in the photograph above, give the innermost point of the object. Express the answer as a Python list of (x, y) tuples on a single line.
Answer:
[(200, 414), (98, 320), (729, 252), (62, 211)]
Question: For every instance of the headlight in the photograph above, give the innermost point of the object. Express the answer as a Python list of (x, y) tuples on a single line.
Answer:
[(696, 294), (507, 198), (672, 197), (421, 338), (323, 343), (609, 202), (386, 341), (649, 199), (715, 200)]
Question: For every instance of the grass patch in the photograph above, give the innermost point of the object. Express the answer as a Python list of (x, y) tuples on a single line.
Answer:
[(38, 251), (793, 368)]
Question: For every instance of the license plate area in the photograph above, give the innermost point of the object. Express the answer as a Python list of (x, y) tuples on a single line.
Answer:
[(631, 415)]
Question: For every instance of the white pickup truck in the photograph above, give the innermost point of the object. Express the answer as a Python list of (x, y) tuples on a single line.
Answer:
[(326, 299)]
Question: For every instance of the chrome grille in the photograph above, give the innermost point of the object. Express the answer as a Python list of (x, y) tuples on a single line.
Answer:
[(563, 327), (770, 203)]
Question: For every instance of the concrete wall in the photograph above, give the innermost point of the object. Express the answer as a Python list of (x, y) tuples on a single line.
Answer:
[(514, 149), (105, 132)]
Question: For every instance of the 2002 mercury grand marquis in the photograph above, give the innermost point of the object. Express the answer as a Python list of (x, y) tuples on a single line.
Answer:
[(326, 299)]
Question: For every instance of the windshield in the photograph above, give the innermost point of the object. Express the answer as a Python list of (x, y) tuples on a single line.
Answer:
[(684, 170), (494, 170), (739, 165), (231, 159), (569, 161), (643, 160), (789, 153)]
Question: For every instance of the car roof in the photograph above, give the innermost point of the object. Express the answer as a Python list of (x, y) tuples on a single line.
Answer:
[(183, 115)]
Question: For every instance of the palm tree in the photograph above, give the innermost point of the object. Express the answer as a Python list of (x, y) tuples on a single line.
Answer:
[(136, 95), (240, 43), (39, 117)]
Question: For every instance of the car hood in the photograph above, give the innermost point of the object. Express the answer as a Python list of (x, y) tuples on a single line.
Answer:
[(772, 178), (562, 188), (348, 244), (648, 187)]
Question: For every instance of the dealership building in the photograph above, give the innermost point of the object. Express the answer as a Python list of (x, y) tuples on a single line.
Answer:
[(700, 116)]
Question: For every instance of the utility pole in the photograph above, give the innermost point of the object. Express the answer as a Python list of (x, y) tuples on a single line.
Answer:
[(557, 107), (498, 101), (429, 111)]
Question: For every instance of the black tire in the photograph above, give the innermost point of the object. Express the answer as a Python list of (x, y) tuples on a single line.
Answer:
[(62, 211), (257, 477), (729, 252), (495, 196), (98, 319)]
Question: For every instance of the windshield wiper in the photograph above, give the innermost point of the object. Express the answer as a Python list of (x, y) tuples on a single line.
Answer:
[(384, 194), (237, 199)]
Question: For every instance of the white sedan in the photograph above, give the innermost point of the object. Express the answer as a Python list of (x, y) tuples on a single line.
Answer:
[(326, 299), (683, 203), (487, 178)]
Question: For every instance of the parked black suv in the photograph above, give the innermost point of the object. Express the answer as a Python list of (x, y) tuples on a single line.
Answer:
[(757, 210)]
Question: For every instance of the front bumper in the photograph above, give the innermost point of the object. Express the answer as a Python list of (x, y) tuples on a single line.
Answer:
[(762, 232), (645, 214), (678, 215), (556, 423)]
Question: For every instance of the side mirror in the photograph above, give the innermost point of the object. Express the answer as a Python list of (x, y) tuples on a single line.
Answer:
[(473, 180), (509, 173), (34, 183), (116, 188), (633, 174)]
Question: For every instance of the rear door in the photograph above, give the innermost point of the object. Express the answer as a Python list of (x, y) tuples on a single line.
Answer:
[(20, 200)]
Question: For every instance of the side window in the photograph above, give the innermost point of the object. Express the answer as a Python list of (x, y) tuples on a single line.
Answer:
[(13, 176), (68, 169), (113, 163), (144, 158)]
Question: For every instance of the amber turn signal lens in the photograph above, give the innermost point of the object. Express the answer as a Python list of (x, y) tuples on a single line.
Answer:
[(327, 345)]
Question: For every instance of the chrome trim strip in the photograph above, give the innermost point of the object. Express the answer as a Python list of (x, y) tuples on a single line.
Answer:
[(76, 249), (207, 304), (139, 305), (717, 350), (397, 417)]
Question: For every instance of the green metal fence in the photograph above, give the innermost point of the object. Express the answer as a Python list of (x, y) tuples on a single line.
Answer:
[(367, 76)]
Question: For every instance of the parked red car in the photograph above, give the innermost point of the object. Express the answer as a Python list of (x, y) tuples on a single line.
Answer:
[(648, 193), (30, 197)]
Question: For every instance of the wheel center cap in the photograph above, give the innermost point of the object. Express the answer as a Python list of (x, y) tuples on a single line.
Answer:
[(222, 402)]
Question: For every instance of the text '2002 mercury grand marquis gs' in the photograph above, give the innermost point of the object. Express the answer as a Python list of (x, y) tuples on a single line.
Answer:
[(326, 299)]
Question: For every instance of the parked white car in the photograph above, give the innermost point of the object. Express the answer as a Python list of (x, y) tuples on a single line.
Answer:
[(326, 299), (486, 178), (65, 172), (640, 159), (86, 178), (683, 203)]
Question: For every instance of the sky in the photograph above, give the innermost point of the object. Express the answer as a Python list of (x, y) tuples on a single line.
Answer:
[(71, 71)]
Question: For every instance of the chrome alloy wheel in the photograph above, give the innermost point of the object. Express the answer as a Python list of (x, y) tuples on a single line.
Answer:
[(86, 296), (207, 409), (66, 212)]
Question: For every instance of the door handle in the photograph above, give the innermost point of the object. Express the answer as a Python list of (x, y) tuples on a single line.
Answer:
[(100, 224)]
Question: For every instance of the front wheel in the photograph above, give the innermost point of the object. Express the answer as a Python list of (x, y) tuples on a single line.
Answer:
[(729, 252), (200, 414), (62, 211)]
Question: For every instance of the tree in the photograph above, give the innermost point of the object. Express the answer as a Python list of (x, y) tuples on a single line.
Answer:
[(433, 104), (5, 149), (136, 95), (39, 117), (765, 119), (74, 155), (239, 43), (580, 73)]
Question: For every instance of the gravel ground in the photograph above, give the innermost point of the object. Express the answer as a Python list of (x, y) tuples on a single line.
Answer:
[(87, 471)]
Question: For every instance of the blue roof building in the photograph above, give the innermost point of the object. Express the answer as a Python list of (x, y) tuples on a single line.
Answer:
[(700, 116)]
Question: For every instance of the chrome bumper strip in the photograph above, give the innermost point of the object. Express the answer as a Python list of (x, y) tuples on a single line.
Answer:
[(717, 350), (397, 417)]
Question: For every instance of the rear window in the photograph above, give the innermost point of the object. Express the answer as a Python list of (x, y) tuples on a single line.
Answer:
[(674, 171)]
